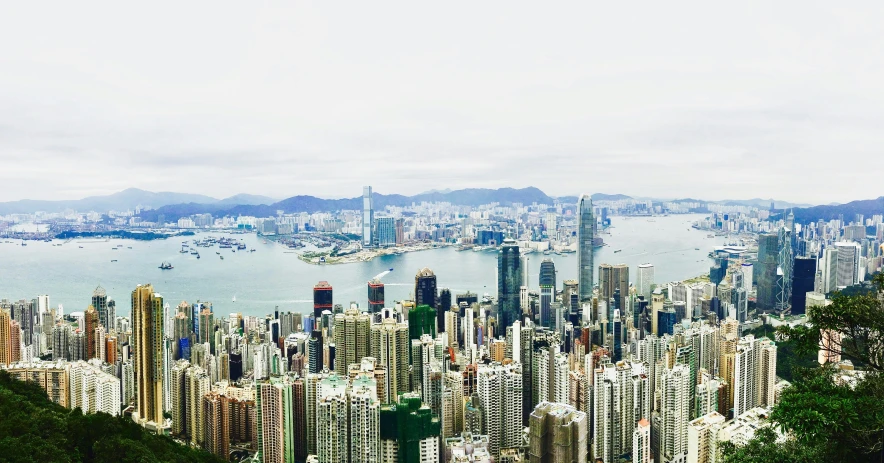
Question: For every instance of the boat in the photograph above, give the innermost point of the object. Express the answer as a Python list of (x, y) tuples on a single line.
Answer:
[(240, 246), (130, 247), (183, 250), (391, 269), (216, 252), (81, 247), (696, 249), (197, 256), (222, 257), (234, 298), (115, 249), (253, 250), (113, 260), (24, 244), (166, 266), (233, 250), (618, 250), (193, 252)]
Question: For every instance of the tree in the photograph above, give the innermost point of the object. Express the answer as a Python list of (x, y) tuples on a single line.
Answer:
[(825, 416)]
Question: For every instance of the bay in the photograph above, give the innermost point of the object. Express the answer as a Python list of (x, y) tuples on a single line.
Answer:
[(273, 276)]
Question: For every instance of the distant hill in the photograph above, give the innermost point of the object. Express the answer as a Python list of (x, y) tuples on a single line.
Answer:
[(867, 207), (305, 203), (126, 200)]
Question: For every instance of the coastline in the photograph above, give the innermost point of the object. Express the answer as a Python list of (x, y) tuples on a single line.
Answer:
[(365, 255)]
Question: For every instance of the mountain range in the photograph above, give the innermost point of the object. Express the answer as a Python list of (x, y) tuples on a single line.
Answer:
[(175, 205), (848, 211), (125, 200)]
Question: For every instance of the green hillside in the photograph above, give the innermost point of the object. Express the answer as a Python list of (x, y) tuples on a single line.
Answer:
[(34, 429)]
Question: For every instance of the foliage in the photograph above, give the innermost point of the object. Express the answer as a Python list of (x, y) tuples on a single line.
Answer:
[(34, 429), (765, 449), (788, 357), (824, 417)]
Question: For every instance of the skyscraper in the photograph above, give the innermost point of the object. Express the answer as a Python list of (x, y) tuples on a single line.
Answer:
[(5, 338), (352, 339), (645, 280), (509, 281), (409, 432), (847, 264), (375, 296), (274, 424), (585, 238), (99, 301), (322, 300), (389, 345), (90, 324), (611, 279), (804, 276), (367, 217), (425, 293), (768, 254), (547, 291), (498, 386), (386, 231), (147, 349)]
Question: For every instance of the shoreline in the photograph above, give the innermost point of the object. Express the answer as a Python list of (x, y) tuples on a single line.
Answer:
[(365, 255)]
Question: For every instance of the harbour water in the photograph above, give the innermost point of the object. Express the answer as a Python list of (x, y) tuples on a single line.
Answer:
[(273, 276)]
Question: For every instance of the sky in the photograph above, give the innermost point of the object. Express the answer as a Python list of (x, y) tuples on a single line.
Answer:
[(777, 100)]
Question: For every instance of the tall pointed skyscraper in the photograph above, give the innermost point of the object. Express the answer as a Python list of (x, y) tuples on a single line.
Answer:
[(585, 237), (147, 348)]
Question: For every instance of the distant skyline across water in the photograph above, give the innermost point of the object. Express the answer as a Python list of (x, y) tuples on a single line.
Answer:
[(274, 276)]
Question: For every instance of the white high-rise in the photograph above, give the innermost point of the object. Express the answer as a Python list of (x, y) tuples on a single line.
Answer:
[(641, 443), (645, 280), (847, 266), (332, 421), (745, 379), (364, 421), (498, 386), (367, 217), (675, 411)]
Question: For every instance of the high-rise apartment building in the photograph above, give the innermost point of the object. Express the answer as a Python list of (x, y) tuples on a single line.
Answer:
[(147, 350), (509, 282), (675, 410), (389, 346), (5, 338), (557, 433), (497, 386), (352, 339), (367, 217), (91, 323), (364, 421), (408, 431), (274, 408)]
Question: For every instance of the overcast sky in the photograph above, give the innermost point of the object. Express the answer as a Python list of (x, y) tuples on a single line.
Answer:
[(779, 99)]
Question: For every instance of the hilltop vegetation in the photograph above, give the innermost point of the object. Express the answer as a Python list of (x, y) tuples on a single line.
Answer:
[(34, 429)]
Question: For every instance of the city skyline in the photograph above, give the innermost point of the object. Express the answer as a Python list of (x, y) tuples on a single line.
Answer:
[(246, 101)]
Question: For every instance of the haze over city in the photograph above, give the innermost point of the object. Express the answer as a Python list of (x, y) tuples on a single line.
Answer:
[(708, 101)]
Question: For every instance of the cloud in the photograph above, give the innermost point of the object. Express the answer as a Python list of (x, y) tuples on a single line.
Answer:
[(713, 101)]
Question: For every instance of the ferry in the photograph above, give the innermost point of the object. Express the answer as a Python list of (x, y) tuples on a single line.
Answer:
[(166, 266), (240, 246)]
